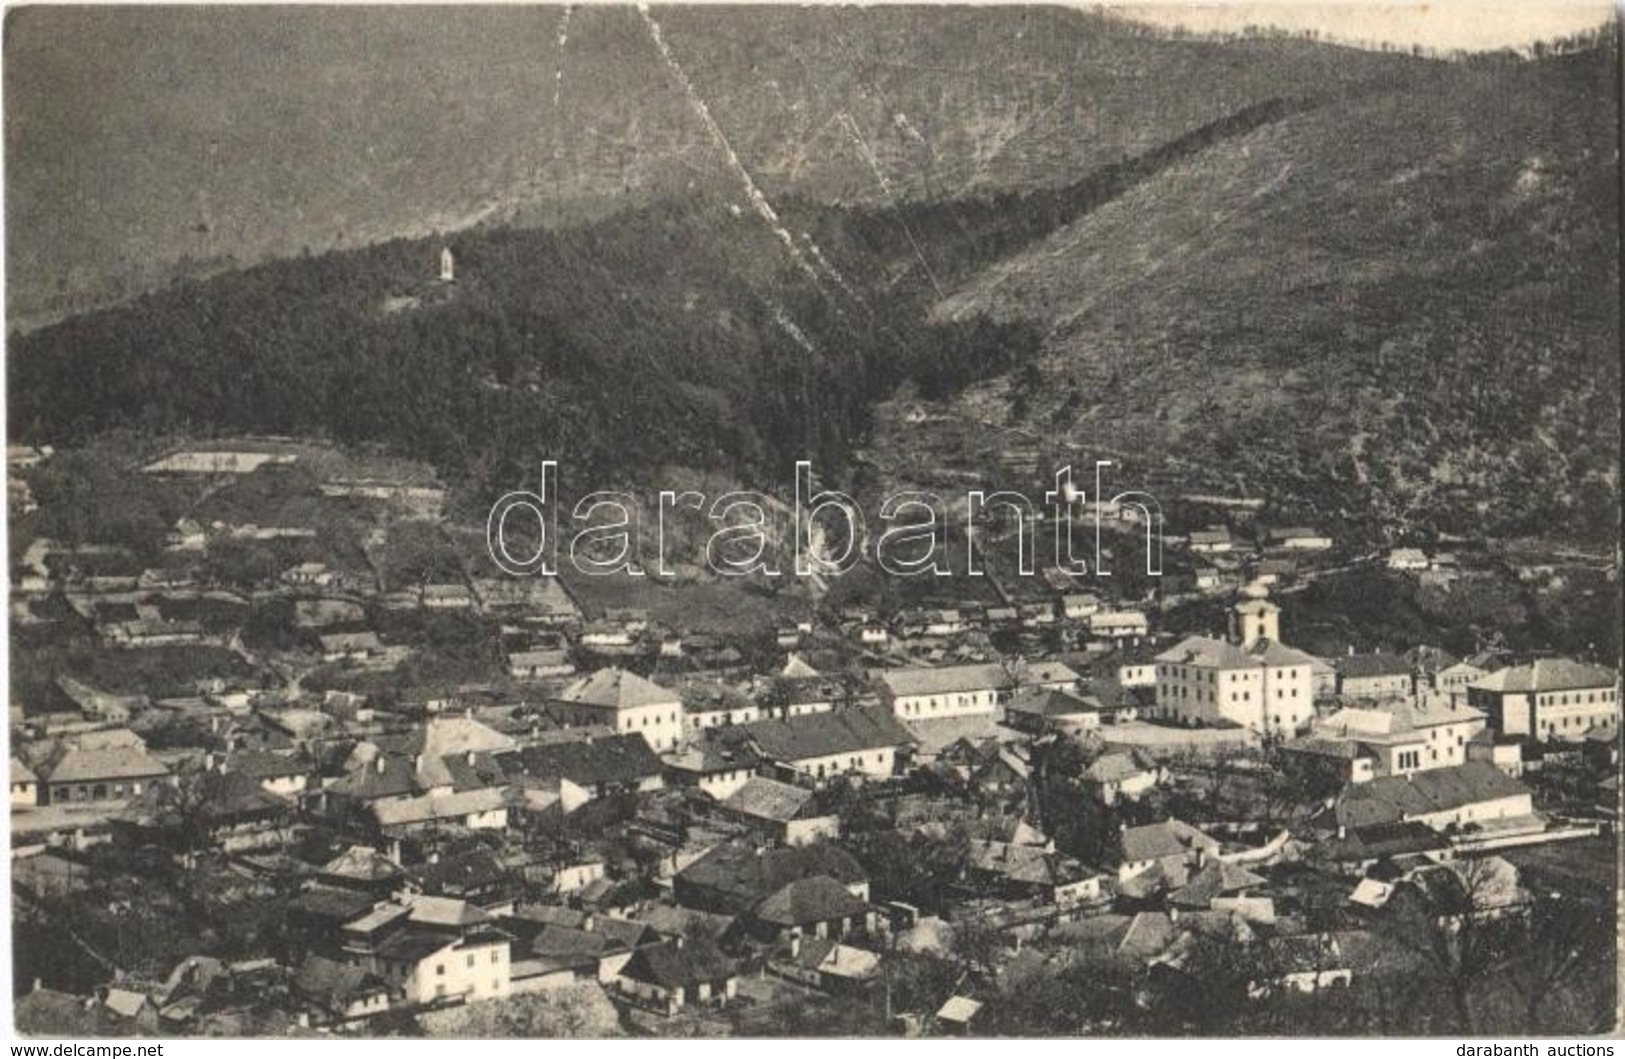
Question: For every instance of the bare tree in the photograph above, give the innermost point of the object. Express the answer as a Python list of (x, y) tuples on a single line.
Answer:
[(1445, 916), (1557, 944)]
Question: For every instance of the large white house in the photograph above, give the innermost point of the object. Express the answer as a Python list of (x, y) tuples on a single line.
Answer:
[(948, 691), (1251, 679), (626, 703)]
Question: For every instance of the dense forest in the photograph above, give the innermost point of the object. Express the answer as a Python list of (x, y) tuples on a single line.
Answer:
[(696, 333)]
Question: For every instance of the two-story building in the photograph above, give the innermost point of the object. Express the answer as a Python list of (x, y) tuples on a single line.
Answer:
[(1551, 698), (1374, 676), (430, 949)]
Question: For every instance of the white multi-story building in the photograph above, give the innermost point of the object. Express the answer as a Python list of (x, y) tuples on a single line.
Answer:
[(1251, 679)]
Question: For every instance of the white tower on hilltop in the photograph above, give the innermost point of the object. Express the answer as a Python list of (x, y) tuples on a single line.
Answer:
[(447, 275)]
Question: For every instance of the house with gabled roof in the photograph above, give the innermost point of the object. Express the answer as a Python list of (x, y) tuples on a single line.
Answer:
[(718, 770), (1446, 799), (281, 774), (541, 662), (484, 808), (678, 974), (813, 906), (582, 771), (541, 600), (860, 742), (711, 704), (1119, 624), (627, 704), (1171, 848), (779, 811), (1356, 849), (1299, 539), (443, 772), (1396, 737), (24, 784), (93, 768), (1213, 882), (825, 964), (1211, 541), (799, 689), (475, 875), (735, 878), (945, 691), (669, 922), (1374, 676), (596, 948), (1123, 774), (332, 991), (1019, 871), (350, 646)]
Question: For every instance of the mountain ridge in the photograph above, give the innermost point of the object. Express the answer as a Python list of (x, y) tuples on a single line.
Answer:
[(146, 167)]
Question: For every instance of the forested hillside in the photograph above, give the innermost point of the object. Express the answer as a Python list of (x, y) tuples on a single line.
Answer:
[(333, 127), (682, 333)]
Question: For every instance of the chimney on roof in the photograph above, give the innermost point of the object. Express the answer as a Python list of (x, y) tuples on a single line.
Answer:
[(795, 942)]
